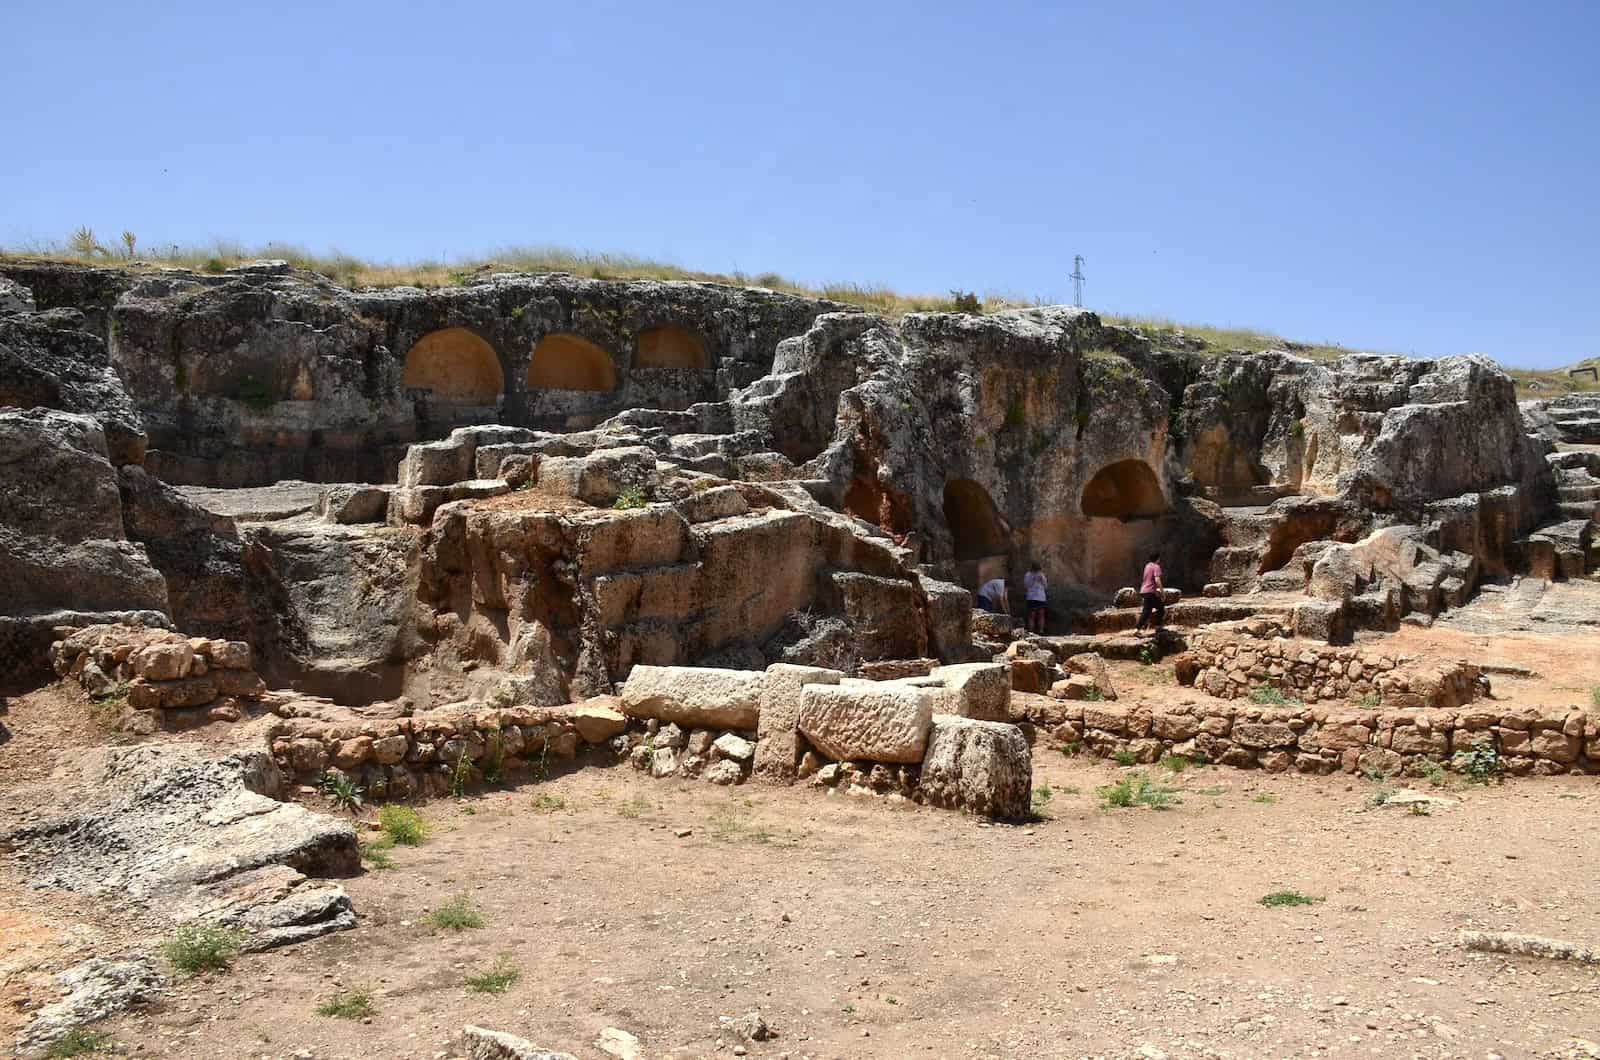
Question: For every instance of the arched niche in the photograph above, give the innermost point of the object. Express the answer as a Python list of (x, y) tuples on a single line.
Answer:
[(670, 346), (974, 523), (1124, 490), (457, 365), (568, 362)]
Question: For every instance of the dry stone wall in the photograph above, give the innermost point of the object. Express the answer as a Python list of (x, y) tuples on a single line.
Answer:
[(168, 680)]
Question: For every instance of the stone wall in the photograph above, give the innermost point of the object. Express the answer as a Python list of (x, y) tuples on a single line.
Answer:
[(1228, 666), (1322, 739), (167, 680)]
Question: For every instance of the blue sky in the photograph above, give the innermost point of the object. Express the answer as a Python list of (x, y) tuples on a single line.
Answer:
[(1419, 177)]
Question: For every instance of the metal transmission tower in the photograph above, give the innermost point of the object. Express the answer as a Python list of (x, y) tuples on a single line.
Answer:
[(1077, 279)]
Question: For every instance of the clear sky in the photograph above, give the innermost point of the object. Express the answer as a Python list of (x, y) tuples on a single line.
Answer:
[(1420, 177)]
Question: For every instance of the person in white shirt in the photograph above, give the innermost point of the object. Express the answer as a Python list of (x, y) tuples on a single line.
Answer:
[(1034, 588), (992, 596)]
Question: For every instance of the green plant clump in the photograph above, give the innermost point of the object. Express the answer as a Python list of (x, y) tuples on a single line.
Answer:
[(375, 853), (79, 1041), (1041, 799), (403, 825), (1481, 765), (1136, 789), (344, 793), (1268, 696), (497, 979), (1282, 898), (458, 914), (631, 497), (201, 947), (1125, 758), (350, 1005)]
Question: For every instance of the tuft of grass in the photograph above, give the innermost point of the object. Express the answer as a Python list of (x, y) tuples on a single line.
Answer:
[(1282, 898), (375, 853), (1176, 763), (632, 808), (545, 803), (1421, 809), (1371, 699), (349, 1005), (1041, 800), (1265, 798), (79, 1041), (1072, 748), (1433, 772), (733, 824), (343, 792), (198, 948), (458, 914), (1125, 758), (1383, 794), (403, 825), (1594, 695), (497, 979), (1136, 789), (1093, 694), (1268, 696)]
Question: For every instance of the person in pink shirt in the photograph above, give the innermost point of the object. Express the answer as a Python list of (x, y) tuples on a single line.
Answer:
[(1150, 588)]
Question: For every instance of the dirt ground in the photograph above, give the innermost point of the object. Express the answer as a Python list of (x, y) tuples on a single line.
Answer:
[(865, 928), (860, 928)]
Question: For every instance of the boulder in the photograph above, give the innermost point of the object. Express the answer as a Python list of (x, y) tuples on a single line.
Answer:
[(1092, 665), (976, 690), (864, 721), (778, 748), (598, 720), (602, 477), (736, 748), (696, 697), (1127, 597), (980, 766)]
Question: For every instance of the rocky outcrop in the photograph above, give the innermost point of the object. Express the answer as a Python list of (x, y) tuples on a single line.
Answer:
[(48, 361), (64, 554), (175, 834)]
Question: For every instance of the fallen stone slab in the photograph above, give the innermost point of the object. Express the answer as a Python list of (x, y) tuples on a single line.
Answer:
[(695, 697), (1527, 946), (980, 766), (866, 721)]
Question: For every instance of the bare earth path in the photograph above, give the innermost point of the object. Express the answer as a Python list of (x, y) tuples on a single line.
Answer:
[(863, 929)]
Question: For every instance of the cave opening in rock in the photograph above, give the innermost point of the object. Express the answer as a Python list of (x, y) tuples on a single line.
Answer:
[(1127, 489), (974, 523), (670, 346), (568, 362), (457, 365)]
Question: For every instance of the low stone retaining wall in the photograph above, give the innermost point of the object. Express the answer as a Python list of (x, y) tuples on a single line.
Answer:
[(1229, 666), (1321, 739), (434, 752), (166, 679)]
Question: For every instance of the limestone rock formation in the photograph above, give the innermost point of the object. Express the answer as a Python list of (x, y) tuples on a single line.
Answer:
[(980, 766)]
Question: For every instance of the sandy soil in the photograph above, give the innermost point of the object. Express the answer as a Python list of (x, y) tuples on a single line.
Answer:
[(859, 928)]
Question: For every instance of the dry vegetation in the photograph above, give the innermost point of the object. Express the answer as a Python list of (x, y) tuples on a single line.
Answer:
[(85, 247)]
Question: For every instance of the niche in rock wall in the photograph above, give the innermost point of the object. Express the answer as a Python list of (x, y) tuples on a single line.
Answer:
[(974, 523), (457, 365), (670, 346), (1127, 489), (567, 362)]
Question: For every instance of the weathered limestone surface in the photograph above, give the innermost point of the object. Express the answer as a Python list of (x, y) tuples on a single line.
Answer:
[(698, 697), (981, 766), (778, 746), (866, 721)]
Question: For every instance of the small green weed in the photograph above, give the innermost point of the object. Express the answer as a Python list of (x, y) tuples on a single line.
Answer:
[(1266, 798), (544, 803), (1176, 763), (1374, 774), (1433, 772), (1371, 699), (201, 947), (1136, 789), (732, 824), (497, 979), (344, 793), (1384, 793), (79, 1041), (1282, 898), (1041, 799), (1149, 654), (849, 1008), (349, 1005), (632, 808), (1594, 695), (1125, 758), (403, 825), (631, 497), (1268, 696), (1093, 694), (460, 774), (1072, 748), (375, 853), (1421, 809), (1481, 765), (458, 914)]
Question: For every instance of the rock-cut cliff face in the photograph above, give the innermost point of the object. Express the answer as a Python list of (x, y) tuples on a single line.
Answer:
[(715, 474)]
